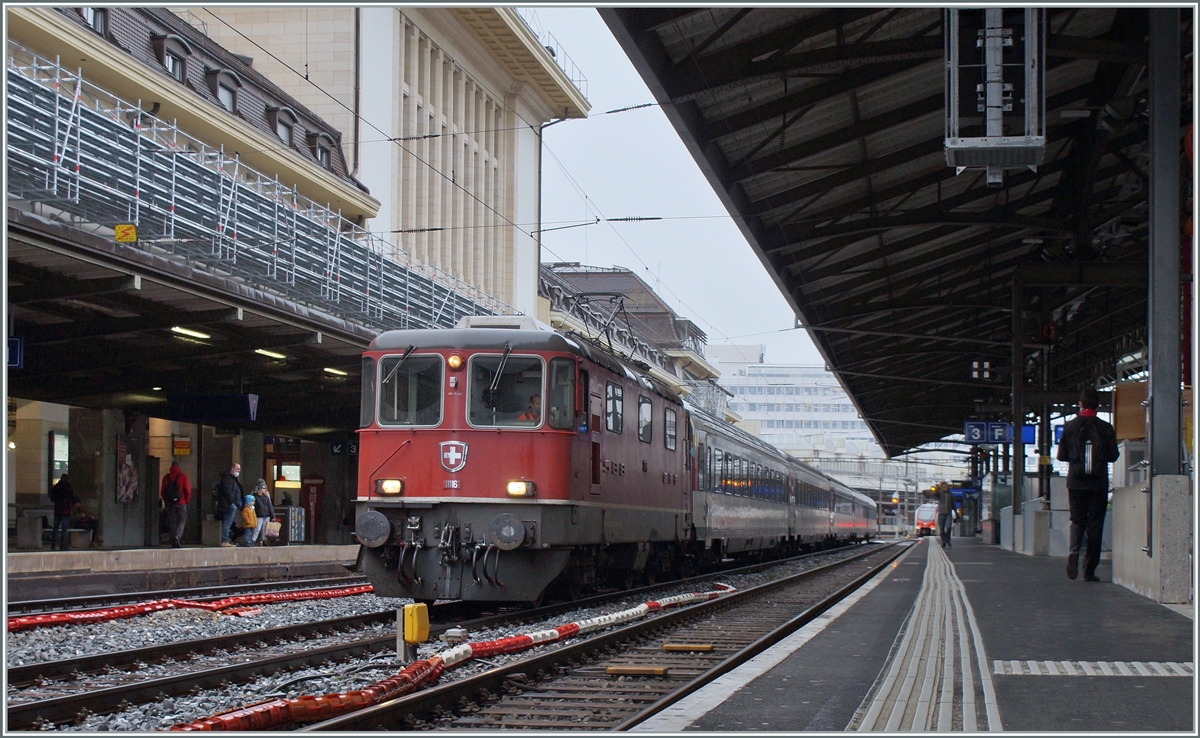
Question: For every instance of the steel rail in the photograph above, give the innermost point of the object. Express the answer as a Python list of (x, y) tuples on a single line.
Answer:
[(200, 594), (30, 673), (449, 696)]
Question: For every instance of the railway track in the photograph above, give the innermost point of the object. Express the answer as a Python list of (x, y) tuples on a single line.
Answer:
[(622, 677), (69, 690), (200, 594)]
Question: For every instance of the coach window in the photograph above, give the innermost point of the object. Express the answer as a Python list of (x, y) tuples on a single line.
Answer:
[(562, 394), (669, 428), (410, 391), (702, 467), (506, 390), (645, 420), (367, 409), (718, 471), (614, 408)]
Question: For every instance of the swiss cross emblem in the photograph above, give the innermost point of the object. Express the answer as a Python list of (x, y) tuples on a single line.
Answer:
[(454, 455)]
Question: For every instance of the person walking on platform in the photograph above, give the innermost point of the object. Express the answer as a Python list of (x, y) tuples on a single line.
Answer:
[(1088, 444), (176, 493), (64, 499), (945, 511), (264, 509), (229, 500)]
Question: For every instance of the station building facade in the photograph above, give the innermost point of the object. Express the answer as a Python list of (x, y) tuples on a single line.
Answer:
[(146, 69), (441, 111)]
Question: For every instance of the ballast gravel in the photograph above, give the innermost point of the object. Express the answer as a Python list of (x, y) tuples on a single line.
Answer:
[(359, 672), (169, 626)]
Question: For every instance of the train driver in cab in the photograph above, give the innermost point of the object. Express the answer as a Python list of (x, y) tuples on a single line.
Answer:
[(533, 413)]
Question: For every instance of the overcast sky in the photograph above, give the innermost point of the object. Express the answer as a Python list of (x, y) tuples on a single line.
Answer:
[(633, 164)]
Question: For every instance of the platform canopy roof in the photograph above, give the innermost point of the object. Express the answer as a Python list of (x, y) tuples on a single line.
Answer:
[(822, 131)]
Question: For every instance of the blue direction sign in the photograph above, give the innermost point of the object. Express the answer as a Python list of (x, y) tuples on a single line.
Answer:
[(976, 431), (16, 353), (1057, 434)]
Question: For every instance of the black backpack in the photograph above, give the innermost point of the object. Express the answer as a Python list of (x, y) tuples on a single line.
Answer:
[(171, 493), (1088, 456)]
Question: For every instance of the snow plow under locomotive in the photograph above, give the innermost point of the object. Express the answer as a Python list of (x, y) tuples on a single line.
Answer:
[(495, 462)]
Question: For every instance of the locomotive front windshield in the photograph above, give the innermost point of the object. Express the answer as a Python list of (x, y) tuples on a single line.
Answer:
[(506, 390), (410, 390)]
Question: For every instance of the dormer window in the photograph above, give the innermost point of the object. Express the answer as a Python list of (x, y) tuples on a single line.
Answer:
[(174, 64), (97, 18), (321, 145), (173, 53), (283, 120), (224, 86)]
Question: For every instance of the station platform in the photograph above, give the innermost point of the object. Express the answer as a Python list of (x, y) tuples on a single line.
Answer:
[(969, 638), (48, 574)]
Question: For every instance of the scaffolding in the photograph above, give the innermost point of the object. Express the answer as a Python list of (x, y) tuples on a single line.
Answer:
[(86, 158)]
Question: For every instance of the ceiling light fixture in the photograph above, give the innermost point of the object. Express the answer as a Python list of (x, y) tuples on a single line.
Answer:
[(270, 354), (336, 372), (189, 332), (157, 389)]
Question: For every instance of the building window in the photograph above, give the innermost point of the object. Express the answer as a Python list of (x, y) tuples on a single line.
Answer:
[(614, 407), (321, 145), (97, 18), (228, 96), (173, 53), (224, 86), (174, 66), (283, 121)]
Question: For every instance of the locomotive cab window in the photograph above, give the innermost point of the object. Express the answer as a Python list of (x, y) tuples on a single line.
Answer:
[(367, 410), (562, 394), (614, 407), (410, 390), (506, 390), (645, 420)]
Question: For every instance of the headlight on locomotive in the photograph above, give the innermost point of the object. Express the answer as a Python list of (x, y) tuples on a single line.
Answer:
[(520, 489), (389, 486)]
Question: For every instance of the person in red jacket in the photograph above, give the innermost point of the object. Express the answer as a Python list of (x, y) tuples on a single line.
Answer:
[(176, 493)]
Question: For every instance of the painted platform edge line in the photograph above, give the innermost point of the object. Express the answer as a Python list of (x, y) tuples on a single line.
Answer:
[(706, 699)]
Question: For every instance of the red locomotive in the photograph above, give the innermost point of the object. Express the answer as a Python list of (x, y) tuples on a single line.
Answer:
[(494, 461)]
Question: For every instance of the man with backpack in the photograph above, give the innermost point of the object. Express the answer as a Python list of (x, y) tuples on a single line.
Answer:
[(229, 500), (1088, 444), (176, 493)]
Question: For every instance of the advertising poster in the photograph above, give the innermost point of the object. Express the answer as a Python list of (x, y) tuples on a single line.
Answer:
[(127, 472)]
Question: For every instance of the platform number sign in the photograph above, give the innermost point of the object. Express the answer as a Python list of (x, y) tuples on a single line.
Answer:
[(976, 431), (338, 448), (352, 448), (999, 433)]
